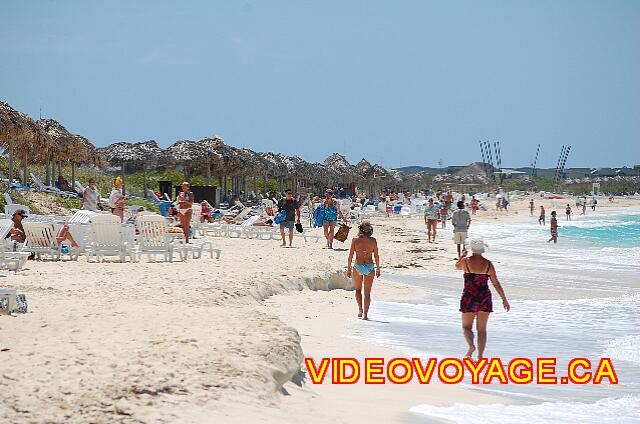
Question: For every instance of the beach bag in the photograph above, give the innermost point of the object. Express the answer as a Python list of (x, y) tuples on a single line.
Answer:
[(342, 233), (299, 227), (280, 217), (318, 216)]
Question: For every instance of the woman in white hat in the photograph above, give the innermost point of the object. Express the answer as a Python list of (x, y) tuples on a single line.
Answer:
[(476, 303)]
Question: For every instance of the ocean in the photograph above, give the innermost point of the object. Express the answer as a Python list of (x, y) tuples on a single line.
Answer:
[(578, 298)]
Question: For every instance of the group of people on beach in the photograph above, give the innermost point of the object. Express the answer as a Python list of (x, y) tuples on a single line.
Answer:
[(476, 300)]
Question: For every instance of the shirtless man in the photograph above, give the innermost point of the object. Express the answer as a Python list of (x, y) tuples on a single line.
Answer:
[(364, 246), (554, 228)]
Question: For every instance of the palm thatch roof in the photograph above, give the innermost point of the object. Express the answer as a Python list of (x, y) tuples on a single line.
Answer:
[(341, 167), (125, 152), (63, 146), (19, 131)]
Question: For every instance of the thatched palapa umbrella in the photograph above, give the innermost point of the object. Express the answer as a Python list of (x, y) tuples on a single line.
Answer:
[(20, 134), (143, 152), (63, 147)]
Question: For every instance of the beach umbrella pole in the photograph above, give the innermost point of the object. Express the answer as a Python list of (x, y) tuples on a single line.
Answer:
[(73, 176), (11, 165), (123, 186), (145, 185)]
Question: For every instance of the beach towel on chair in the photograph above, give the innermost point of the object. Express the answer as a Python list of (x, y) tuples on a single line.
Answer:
[(342, 233)]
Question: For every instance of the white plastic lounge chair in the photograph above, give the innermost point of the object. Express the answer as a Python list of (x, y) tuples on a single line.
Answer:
[(151, 195), (108, 238), (41, 239), (9, 257), (153, 237), (7, 199), (9, 210), (40, 186), (83, 217), (78, 187)]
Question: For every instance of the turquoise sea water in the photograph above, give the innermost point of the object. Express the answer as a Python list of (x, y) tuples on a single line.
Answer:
[(607, 230), (597, 254)]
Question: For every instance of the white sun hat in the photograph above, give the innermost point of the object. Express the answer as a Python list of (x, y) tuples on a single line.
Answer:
[(478, 246)]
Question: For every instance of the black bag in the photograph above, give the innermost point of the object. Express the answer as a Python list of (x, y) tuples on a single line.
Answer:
[(299, 227)]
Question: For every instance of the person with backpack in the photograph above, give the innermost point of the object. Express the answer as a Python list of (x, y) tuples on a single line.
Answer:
[(291, 209)]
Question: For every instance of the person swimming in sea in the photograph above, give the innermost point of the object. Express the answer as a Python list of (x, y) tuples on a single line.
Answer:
[(364, 270), (475, 303)]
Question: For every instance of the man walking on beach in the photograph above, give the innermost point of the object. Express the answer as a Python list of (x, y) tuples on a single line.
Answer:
[(292, 209), (461, 221), (531, 207), (542, 219), (431, 219), (554, 228)]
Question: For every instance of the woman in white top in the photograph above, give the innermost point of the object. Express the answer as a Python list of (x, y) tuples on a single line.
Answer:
[(185, 212), (91, 197)]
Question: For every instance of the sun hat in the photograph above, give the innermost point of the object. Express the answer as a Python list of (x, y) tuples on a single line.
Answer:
[(478, 246)]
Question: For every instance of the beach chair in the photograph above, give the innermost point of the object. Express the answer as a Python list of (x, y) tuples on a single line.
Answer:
[(153, 237), (108, 238), (78, 187), (40, 186), (7, 199), (7, 256), (83, 217), (9, 210), (41, 239)]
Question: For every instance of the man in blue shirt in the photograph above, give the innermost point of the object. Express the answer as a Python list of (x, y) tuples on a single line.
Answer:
[(461, 221)]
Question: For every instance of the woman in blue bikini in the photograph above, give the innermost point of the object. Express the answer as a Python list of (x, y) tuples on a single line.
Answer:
[(366, 249)]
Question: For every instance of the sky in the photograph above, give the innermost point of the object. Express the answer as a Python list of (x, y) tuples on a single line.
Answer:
[(397, 82)]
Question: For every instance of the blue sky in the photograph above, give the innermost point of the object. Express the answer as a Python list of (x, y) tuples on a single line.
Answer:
[(398, 82)]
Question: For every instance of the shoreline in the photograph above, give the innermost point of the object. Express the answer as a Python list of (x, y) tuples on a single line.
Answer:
[(205, 339)]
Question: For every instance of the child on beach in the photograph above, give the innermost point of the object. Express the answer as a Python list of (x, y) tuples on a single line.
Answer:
[(205, 212), (554, 228), (443, 216), (365, 248)]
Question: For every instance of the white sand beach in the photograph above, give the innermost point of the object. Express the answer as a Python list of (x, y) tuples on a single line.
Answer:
[(215, 340)]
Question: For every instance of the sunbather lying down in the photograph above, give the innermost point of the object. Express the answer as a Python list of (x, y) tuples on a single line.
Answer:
[(65, 234), (261, 221)]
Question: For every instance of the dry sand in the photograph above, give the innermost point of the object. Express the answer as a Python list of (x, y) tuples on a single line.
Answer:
[(210, 340)]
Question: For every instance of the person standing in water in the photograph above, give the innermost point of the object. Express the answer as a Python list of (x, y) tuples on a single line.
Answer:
[(365, 248), (567, 211), (542, 218), (554, 228), (476, 303)]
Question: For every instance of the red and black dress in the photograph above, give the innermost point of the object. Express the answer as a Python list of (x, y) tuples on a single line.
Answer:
[(476, 296)]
